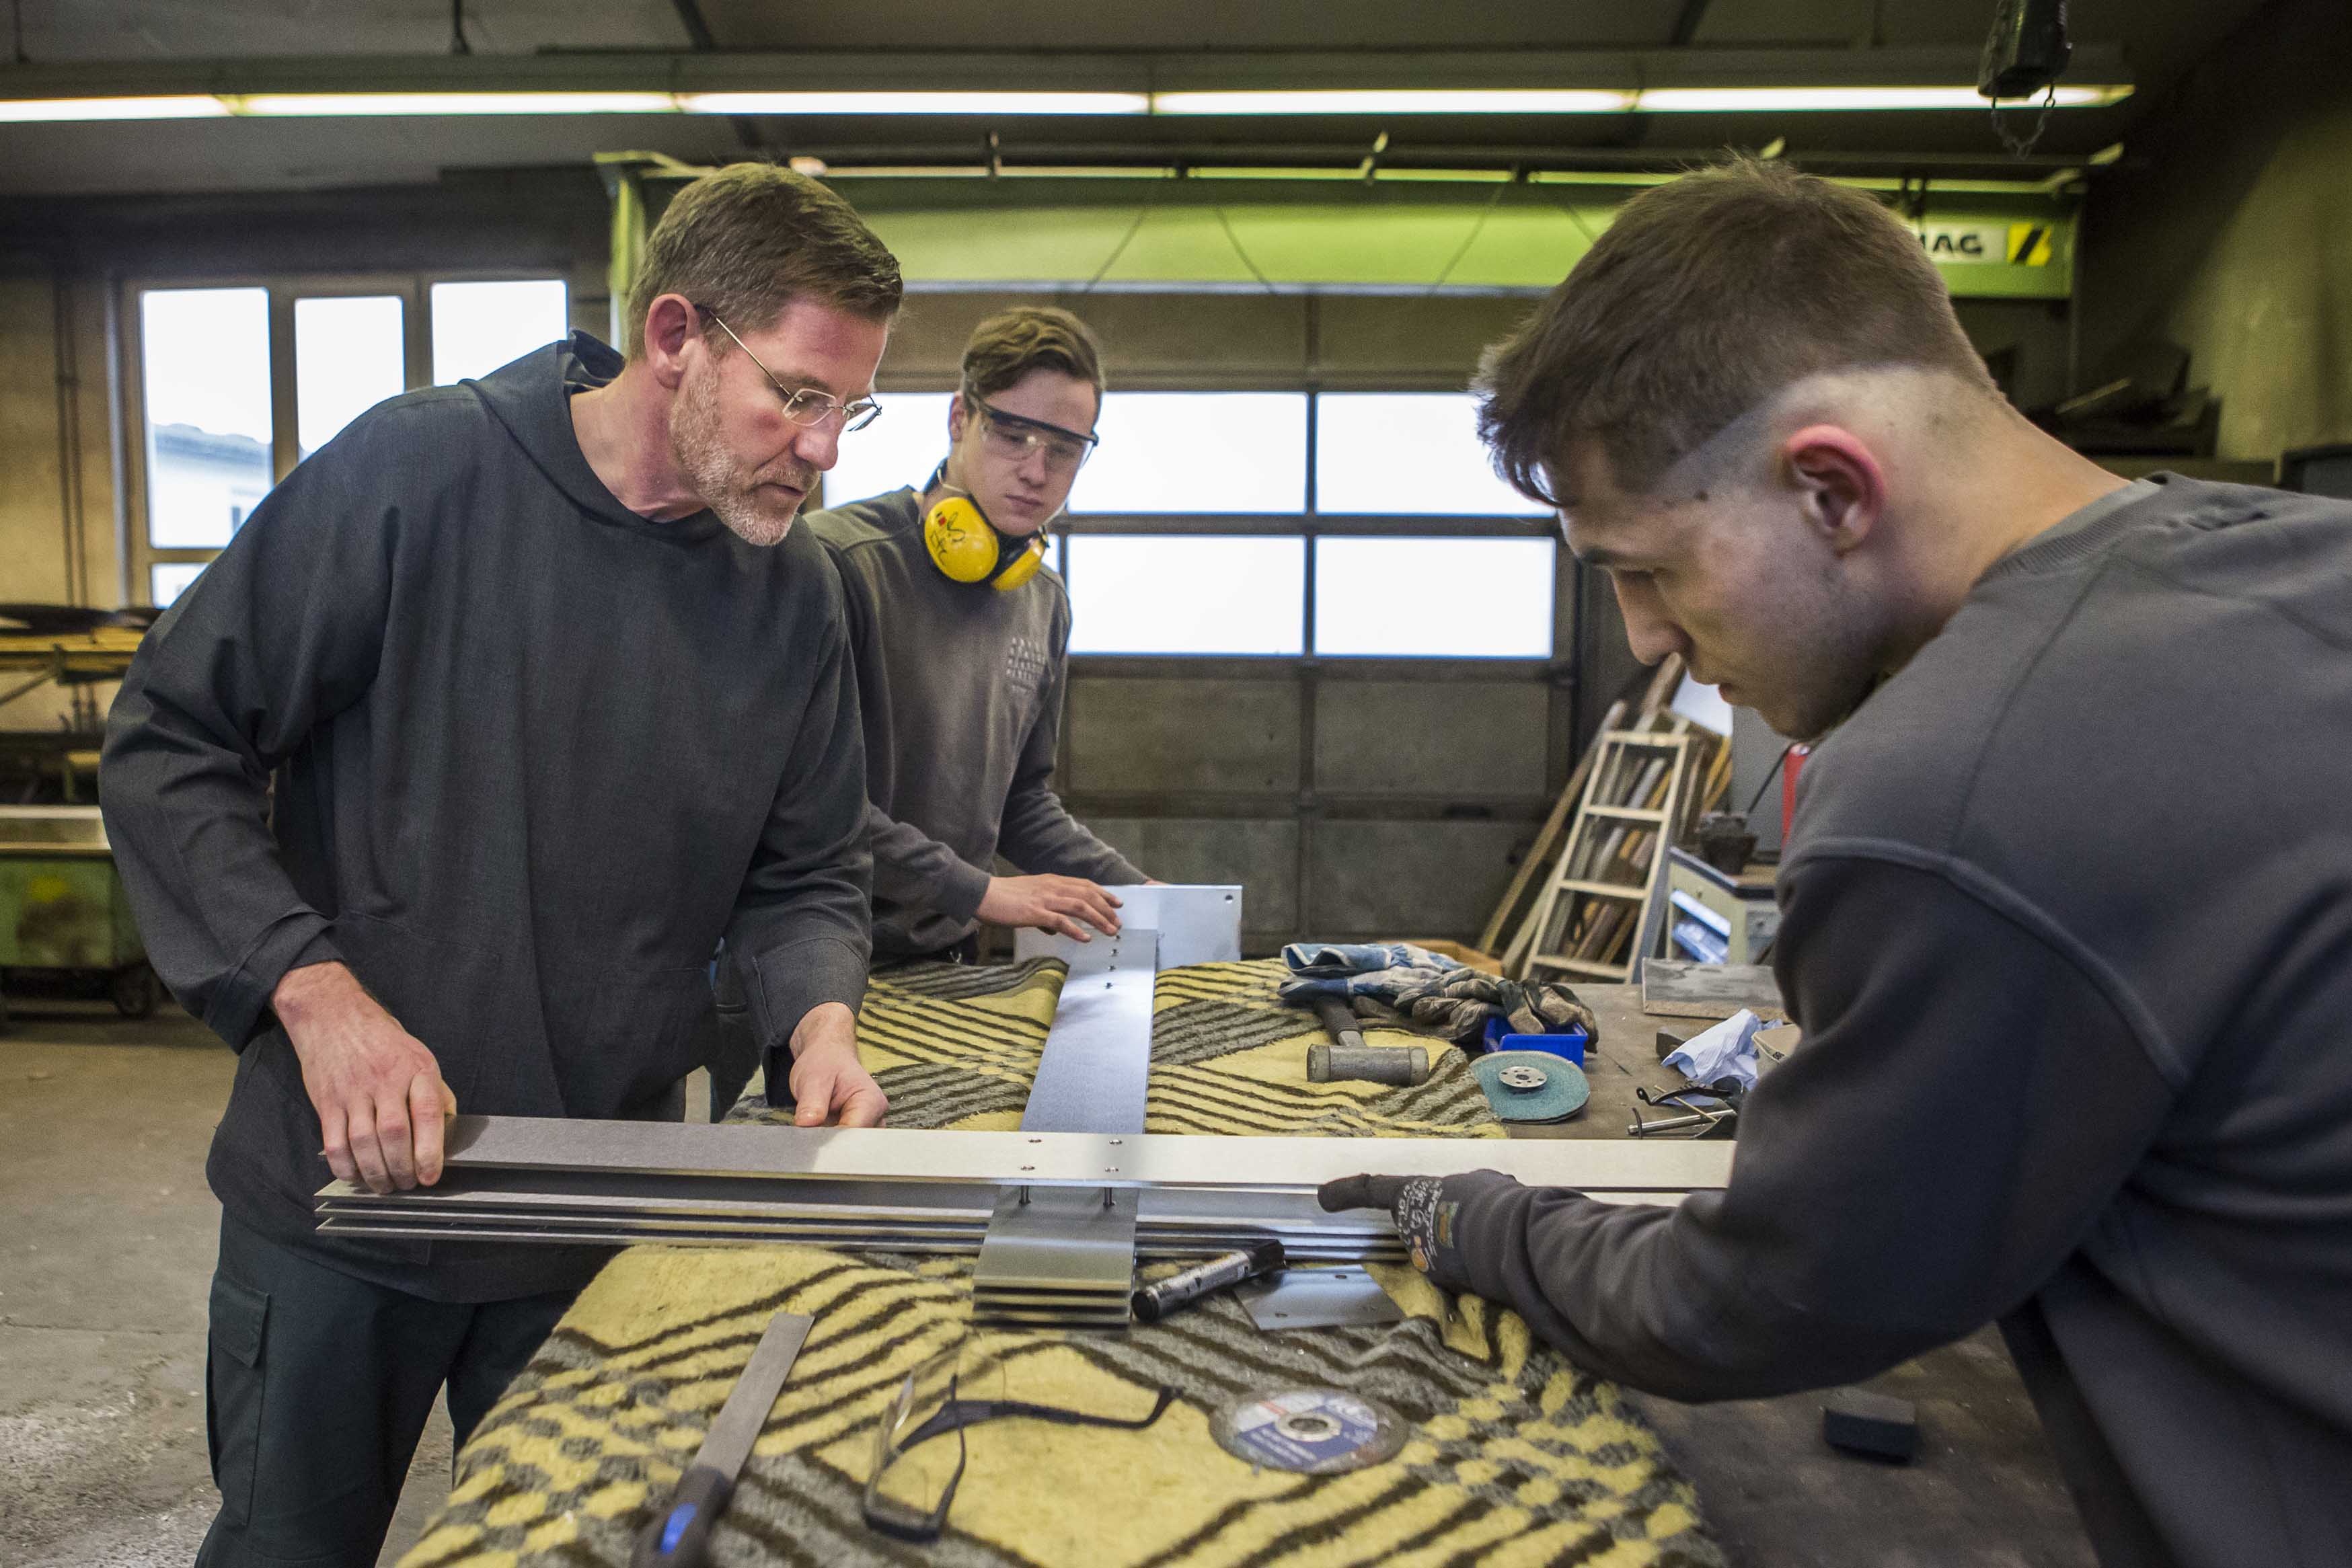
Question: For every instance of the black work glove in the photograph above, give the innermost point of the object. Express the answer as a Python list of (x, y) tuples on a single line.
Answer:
[(1424, 1212)]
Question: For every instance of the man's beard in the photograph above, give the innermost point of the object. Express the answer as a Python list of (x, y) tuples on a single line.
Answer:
[(699, 448)]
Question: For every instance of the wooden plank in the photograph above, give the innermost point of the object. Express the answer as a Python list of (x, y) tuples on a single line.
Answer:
[(1608, 889), (1681, 989), (1580, 967)]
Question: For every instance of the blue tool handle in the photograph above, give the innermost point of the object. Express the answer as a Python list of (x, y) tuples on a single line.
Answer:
[(679, 1536)]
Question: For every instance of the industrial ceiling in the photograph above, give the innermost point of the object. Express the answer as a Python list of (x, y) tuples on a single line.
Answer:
[(236, 46)]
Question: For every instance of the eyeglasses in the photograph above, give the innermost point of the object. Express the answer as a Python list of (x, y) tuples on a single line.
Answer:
[(1013, 438), (806, 406), (909, 1501)]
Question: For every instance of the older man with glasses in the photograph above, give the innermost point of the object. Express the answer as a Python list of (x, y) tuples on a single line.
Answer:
[(963, 637), (441, 787)]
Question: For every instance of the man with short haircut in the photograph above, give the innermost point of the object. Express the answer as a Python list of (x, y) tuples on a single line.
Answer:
[(962, 638), (2066, 911), (553, 695)]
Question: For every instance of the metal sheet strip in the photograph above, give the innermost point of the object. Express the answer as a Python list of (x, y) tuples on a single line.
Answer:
[(1199, 923), (1098, 1055), (1077, 1159)]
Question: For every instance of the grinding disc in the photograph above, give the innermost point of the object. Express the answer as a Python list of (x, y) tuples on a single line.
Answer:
[(1531, 1085), (1312, 1431)]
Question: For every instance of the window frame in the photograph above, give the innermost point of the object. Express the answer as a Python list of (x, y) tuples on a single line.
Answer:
[(140, 555), (1312, 524)]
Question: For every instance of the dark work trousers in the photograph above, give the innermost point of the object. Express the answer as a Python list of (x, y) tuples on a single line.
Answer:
[(318, 1387), (734, 1051)]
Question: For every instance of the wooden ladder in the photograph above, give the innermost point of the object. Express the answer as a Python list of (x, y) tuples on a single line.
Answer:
[(1612, 863)]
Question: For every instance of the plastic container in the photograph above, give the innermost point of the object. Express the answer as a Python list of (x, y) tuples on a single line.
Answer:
[(1570, 1045)]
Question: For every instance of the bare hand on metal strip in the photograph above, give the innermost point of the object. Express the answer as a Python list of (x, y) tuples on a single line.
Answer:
[(377, 1090), (829, 1085), (1055, 904)]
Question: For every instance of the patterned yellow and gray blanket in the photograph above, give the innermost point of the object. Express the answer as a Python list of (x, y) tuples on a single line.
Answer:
[(1515, 1457)]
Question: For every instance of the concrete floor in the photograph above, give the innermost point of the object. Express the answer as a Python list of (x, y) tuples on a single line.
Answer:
[(107, 1239)]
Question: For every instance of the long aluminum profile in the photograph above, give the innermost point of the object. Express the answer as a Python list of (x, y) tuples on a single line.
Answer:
[(870, 1203), (606, 1233), (1068, 1159)]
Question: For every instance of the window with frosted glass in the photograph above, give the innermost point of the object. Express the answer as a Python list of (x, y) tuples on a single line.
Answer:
[(900, 448), (1186, 593), (1433, 598), (478, 327), (1195, 453), (1411, 454), (205, 386), (349, 356), (166, 580)]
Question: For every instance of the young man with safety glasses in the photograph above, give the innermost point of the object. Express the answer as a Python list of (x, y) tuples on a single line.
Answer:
[(961, 637)]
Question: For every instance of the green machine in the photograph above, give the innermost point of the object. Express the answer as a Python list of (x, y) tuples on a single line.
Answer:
[(63, 913)]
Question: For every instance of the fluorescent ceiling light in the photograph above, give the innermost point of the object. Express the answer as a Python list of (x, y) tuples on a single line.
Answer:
[(440, 103), (191, 106), (1403, 100), (914, 104), (1801, 100), (1500, 100)]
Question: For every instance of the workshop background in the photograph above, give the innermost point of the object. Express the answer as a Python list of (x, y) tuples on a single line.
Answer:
[(1319, 650)]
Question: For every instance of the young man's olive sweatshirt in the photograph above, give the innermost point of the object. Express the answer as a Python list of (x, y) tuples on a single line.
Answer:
[(962, 689)]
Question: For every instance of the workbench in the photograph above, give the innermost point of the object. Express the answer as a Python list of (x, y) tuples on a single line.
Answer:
[(1517, 1456)]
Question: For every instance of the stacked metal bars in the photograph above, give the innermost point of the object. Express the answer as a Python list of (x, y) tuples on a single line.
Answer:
[(615, 1182), (1063, 1258)]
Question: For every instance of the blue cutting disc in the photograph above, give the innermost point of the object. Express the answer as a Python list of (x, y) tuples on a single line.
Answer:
[(1531, 1085)]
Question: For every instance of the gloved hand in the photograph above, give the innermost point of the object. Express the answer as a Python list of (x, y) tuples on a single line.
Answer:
[(1360, 1192), (1424, 1216)]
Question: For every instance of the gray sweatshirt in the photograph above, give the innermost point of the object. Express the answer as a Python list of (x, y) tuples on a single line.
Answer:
[(2067, 919), (961, 690), (533, 756)]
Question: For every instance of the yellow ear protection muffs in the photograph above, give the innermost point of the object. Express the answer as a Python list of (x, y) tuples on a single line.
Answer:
[(968, 547)]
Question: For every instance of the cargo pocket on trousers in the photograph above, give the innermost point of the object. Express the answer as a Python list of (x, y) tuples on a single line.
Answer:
[(233, 1385)]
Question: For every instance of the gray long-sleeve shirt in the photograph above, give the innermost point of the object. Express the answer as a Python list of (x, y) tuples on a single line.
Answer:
[(2067, 919), (533, 755), (961, 690)]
